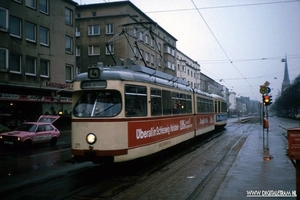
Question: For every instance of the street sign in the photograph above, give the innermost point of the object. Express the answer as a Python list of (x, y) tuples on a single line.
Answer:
[(267, 83), (263, 90), (294, 143), (268, 90)]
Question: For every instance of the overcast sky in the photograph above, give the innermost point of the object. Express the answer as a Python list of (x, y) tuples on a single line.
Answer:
[(238, 43)]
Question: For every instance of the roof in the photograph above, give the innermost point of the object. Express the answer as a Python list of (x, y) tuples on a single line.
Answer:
[(110, 4)]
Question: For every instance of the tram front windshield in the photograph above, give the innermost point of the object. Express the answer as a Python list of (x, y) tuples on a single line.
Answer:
[(105, 103)]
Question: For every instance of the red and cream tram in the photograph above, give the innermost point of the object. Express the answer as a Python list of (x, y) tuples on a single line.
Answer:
[(123, 113)]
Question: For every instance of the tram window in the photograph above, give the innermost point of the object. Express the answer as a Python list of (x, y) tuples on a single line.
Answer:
[(135, 101), (198, 104), (211, 106), (216, 107), (167, 102), (219, 106), (175, 103), (201, 105), (84, 105), (104, 103), (204, 105), (224, 107), (182, 103), (156, 102), (188, 103)]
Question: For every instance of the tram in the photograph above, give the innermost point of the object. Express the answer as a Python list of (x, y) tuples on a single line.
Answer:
[(126, 112), (220, 111)]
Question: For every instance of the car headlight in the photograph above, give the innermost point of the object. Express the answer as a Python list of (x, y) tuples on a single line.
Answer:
[(91, 138)]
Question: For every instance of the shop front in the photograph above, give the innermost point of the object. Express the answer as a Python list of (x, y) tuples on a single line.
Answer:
[(21, 105)]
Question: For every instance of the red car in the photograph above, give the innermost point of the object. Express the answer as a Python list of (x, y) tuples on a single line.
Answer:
[(28, 133)]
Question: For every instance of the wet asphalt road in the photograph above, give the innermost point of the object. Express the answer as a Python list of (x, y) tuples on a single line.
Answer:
[(44, 172)]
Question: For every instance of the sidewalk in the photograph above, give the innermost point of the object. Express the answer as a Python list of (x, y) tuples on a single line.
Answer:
[(256, 174)]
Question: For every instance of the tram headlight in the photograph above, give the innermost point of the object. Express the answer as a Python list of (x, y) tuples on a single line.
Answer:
[(91, 138)]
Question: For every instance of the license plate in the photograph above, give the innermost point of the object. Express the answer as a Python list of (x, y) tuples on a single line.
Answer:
[(8, 142)]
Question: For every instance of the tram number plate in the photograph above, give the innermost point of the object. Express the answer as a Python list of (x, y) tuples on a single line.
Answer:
[(8, 142)]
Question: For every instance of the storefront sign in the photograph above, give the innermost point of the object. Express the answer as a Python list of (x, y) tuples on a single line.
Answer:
[(58, 85), (38, 98), (294, 143)]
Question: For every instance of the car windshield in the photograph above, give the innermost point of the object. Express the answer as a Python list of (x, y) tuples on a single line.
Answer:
[(106, 103), (26, 127)]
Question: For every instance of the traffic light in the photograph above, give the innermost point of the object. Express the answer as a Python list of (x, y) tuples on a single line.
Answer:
[(267, 100), (270, 100)]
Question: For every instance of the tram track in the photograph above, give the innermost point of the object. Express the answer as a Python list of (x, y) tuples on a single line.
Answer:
[(186, 172), (189, 174)]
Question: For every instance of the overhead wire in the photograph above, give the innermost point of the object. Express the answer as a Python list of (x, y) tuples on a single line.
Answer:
[(225, 53), (226, 6)]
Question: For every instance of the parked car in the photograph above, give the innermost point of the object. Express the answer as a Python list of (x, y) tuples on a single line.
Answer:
[(3, 128), (28, 133)]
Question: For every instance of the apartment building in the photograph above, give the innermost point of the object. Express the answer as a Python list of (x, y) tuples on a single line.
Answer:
[(117, 32), (188, 69), (37, 58)]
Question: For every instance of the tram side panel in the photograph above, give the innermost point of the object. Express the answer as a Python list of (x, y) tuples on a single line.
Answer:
[(153, 135), (204, 123)]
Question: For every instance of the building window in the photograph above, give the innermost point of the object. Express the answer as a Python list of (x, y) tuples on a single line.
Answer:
[(68, 44), (135, 32), (169, 65), (159, 47), (152, 59), (141, 35), (3, 19), (30, 31), (44, 6), (78, 15), (169, 50), (30, 3), (110, 49), (44, 36), (147, 39), (147, 57), (93, 14), (94, 50), (44, 68), (151, 42), (109, 29), (69, 73), (94, 30), (3, 59), (15, 27), (68, 16), (77, 51), (183, 68), (77, 31), (30, 66), (15, 63)]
